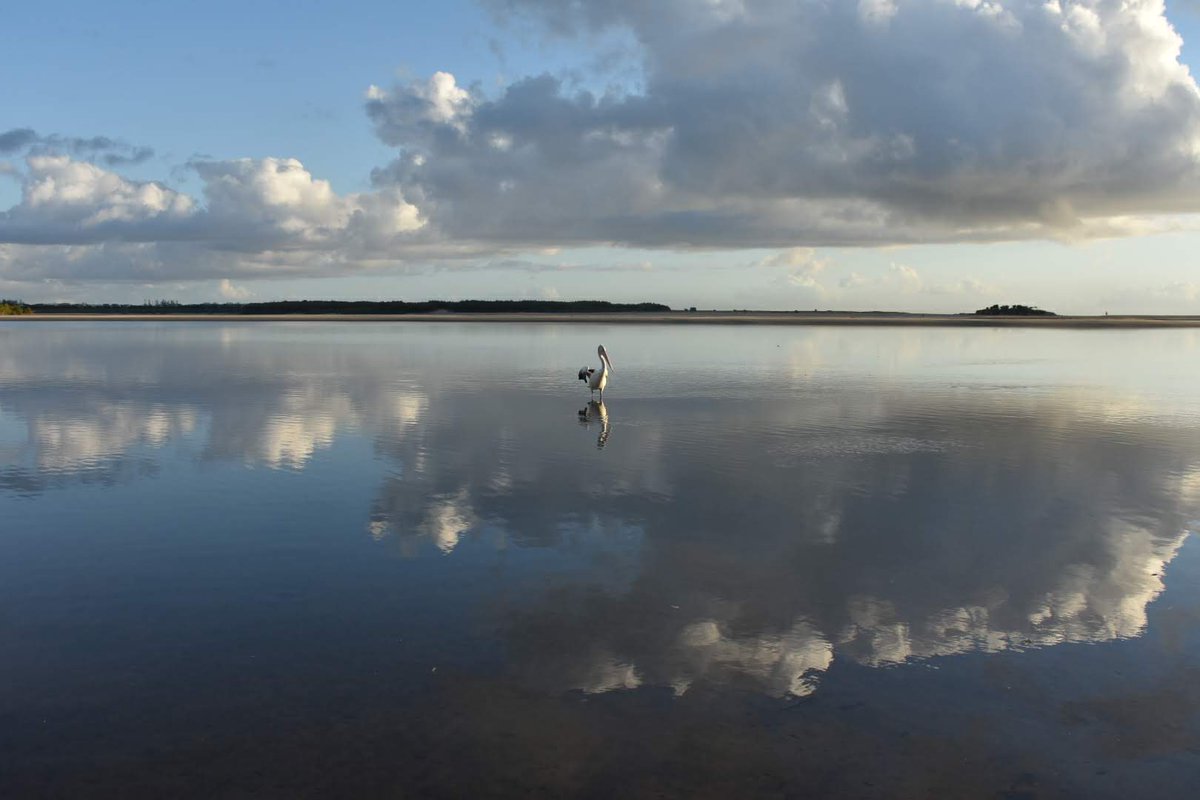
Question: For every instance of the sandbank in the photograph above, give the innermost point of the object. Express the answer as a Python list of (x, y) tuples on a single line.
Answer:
[(664, 318)]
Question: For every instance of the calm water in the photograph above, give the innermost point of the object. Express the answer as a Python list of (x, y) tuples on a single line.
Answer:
[(373, 559)]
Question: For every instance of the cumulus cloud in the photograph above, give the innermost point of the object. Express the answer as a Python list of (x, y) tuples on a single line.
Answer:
[(767, 123), (750, 123), (420, 108), (254, 217), (67, 201), (802, 266), (230, 291), (274, 202), (904, 276)]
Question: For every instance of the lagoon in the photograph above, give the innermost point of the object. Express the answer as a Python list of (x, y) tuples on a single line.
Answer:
[(312, 559)]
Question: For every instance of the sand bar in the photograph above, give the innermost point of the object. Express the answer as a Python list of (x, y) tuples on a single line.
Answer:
[(663, 318)]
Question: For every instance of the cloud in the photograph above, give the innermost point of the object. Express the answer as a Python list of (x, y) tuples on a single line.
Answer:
[(876, 12), (274, 202), (853, 281), (112, 152), (897, 279), (748, 123), (761, 123), (802, 265), (419, 109), (66, 201), (17, 139), (509, 264), (229, 291), (254, 217), (965, 286), (907, 278)]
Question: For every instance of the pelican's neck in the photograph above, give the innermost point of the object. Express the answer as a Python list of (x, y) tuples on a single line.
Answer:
[(603, 365)]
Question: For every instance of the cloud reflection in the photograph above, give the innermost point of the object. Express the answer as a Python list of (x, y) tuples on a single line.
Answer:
[(1014, 525), (64, 443), (715, 541), (87, 403)]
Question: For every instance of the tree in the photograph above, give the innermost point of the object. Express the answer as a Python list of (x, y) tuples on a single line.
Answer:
[(13, 307), (1014, 311)]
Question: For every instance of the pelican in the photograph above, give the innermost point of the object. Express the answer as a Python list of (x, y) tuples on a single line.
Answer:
[(597, 379)]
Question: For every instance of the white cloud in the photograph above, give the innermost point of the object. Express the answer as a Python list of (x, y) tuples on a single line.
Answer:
[(277, 200), (420, 108), (852, 281), (66, 201), (258, 217), (907, 278), (896, 279), (229, 291), (273, 193), (802, 266), (876, 12)]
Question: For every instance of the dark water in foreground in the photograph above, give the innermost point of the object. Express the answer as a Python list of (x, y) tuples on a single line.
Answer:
[(368, 560)]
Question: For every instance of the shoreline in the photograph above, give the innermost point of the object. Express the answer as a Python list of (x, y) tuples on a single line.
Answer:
[(890, 319)]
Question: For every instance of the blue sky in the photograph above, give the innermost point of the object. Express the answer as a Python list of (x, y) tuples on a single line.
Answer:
[(930, 155)]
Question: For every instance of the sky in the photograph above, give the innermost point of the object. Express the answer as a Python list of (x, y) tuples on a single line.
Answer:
[(921, 155)]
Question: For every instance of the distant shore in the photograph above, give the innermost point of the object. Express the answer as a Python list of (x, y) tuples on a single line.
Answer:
[(665, 318)]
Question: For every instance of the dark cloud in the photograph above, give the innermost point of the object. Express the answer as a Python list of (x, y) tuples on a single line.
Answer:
[(771, 123), (112, 152), (16, 140), (136, 156)]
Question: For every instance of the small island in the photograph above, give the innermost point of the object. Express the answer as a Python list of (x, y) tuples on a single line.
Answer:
[(1014, 311)]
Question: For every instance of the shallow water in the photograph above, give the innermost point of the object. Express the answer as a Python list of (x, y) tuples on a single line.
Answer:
[(375, 559)]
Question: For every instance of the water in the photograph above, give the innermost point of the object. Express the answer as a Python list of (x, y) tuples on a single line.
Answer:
[(373, 559)]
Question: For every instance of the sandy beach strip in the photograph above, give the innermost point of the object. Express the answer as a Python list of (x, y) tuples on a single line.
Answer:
[(659, 318)]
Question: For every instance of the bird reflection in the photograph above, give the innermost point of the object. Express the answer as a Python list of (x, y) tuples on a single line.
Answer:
[(596, 412)]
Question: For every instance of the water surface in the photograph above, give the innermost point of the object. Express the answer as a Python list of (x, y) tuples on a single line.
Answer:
[(375, 559)]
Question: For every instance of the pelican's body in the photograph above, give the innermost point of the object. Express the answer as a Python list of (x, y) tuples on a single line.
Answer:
[(597, 379)]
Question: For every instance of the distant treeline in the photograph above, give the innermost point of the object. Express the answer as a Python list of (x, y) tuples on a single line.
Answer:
[(1015, 311), (166, 307)]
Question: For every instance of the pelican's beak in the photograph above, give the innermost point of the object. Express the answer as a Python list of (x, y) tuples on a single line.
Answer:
[(609, 360)]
